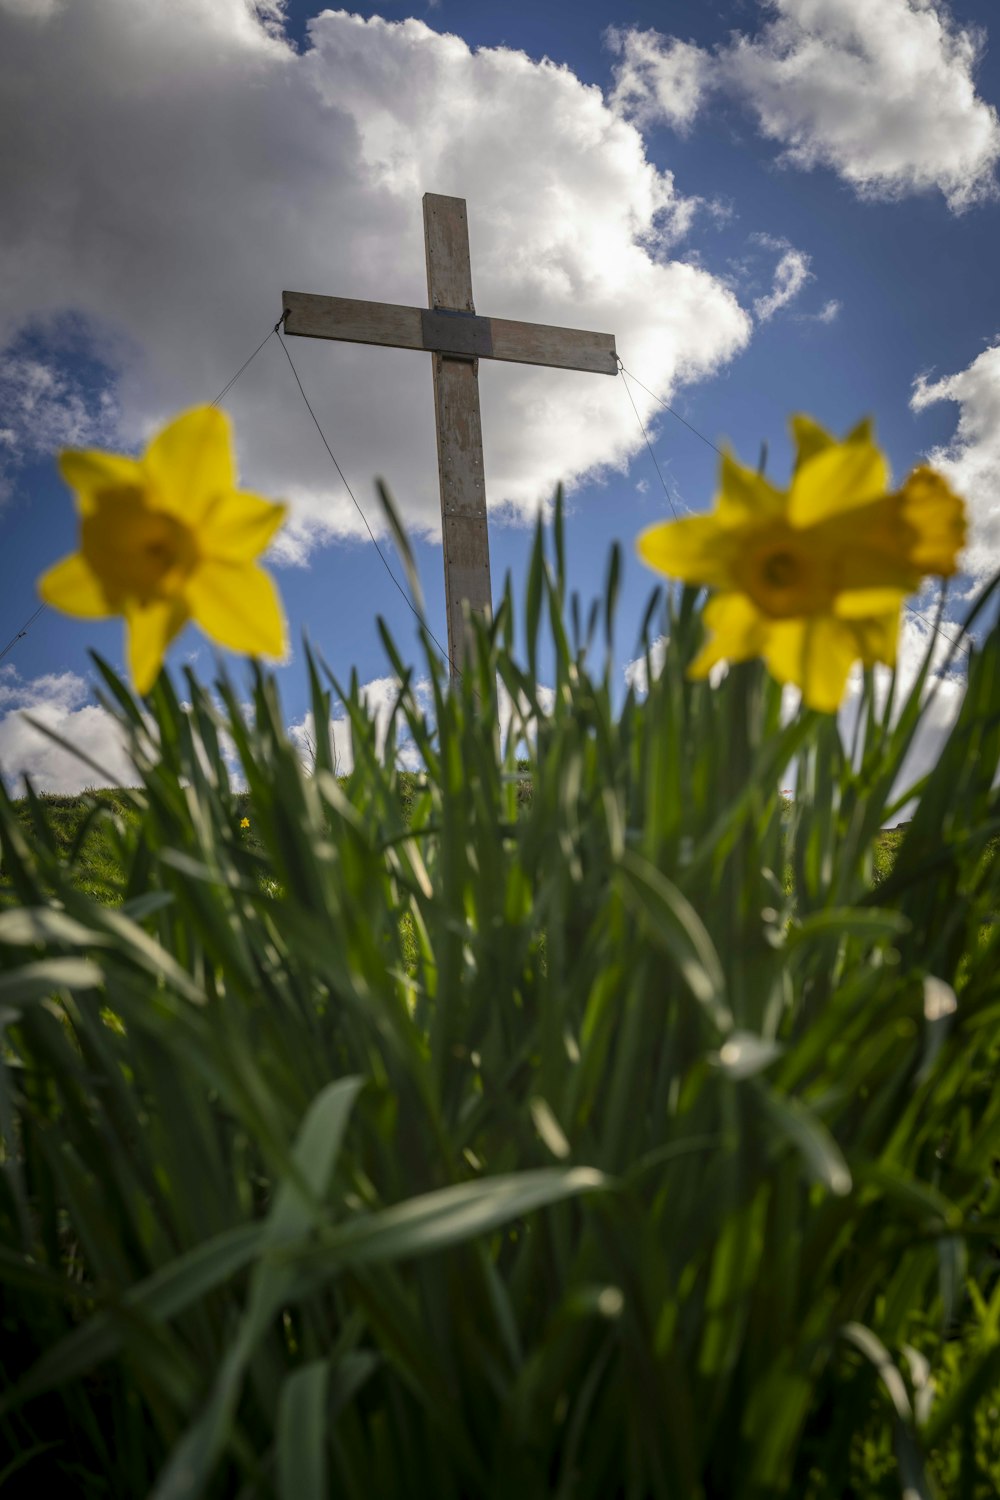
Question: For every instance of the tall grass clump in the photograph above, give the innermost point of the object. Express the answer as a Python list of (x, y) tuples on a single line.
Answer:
[(629, 1138)]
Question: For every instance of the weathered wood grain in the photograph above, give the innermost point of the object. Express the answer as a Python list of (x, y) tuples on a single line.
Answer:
[(561, 348), (446, 249), (464, 531), (355, 322)]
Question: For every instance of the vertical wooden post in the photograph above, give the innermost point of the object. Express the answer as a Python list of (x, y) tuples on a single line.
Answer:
[(459, 427)]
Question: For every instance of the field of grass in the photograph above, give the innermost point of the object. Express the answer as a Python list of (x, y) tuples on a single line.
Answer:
[(87, 830), (635, 1137)]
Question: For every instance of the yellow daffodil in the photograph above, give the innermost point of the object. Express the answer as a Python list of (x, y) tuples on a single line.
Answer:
[(812, 578), (244, 822), (168, 538)]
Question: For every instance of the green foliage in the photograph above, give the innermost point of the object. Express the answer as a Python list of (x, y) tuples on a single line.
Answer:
[(483, 1135), (86, 832)]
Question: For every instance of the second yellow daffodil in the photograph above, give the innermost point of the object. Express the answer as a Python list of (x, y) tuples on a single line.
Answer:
[(812, 578), (167, 538)]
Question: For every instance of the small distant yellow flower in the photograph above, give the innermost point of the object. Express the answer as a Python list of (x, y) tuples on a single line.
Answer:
[(168, 538), (244, 822), (812, 578)]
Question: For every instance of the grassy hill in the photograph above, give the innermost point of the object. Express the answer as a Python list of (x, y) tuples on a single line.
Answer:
[(86, 829)]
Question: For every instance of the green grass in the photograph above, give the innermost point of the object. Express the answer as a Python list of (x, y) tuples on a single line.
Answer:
[(441, 1139), (87, 830)]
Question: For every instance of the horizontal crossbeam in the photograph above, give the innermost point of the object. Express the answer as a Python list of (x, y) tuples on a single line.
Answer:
[(464, 335)]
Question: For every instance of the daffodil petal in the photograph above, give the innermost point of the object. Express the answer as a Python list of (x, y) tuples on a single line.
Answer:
[(862, 432), (816, 655), (860, 604), (238, 605), (151, 628), (238, 526), (695, 550), (73, 587), (189, 464), (746, 497), (809, 438), (840, 478), (785, 650), (88, 471), (935, 518), (876, 639), (738, 632)]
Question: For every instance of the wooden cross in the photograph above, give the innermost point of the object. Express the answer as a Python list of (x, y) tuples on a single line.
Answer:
[(458, 338)]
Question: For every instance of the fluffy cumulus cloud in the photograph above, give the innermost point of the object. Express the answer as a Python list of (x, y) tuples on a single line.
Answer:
[(971, 460), (657, 78), (882, 93), (62, 703), (171, 165)]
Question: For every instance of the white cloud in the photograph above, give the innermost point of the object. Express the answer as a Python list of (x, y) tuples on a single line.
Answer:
[(170, 166), (379, 697), (60, 701), (884, 94), (658, 78), (518, 718), (790, 276), (792, 272), (942, 696), (881, 91), (44, 406), (943, 692), (636, 672), (827, 313), (971, 460), (303, 736)]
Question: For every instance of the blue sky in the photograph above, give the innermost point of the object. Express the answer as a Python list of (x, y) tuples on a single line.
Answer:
[(774, 207)]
